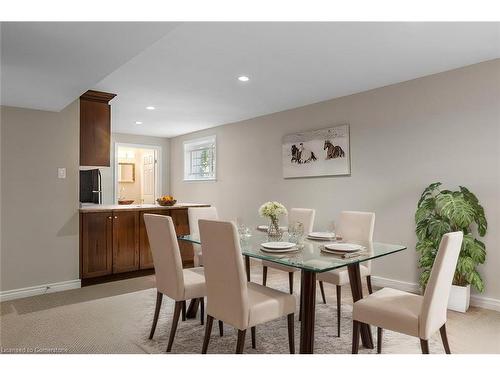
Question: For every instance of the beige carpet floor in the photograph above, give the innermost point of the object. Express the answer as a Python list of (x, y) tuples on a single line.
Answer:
[(116, 318)]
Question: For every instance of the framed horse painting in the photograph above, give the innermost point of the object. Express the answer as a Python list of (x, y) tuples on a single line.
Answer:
[(323, 152)]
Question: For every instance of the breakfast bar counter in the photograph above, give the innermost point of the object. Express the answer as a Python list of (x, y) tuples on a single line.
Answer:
[(136, 207), (114, 242)]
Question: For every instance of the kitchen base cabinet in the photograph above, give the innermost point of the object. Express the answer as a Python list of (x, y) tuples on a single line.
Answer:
[(125, 241), (96, 246), (114, 243)]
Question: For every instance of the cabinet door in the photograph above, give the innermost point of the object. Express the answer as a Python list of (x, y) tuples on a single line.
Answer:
[(95, 133), (145, 256), (96, 244), (181, 224), (125, 241)]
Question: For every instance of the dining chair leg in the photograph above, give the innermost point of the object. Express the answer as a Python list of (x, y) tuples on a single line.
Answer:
[(159, 298), (202, 310), (175, 320), (379, 340), (290, 281), (424, 344), (291, 332), (339, 307), (444, 338), (356, 326), (322, 289), (208, 332), (183, 311), (252, 331), (264, 275), (369, 284), (221, 328), (241, 341)]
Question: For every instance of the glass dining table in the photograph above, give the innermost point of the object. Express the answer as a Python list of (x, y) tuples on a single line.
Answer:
[(312, 259)]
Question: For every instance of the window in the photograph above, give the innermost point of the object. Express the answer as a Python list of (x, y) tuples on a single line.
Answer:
[(199, 159)]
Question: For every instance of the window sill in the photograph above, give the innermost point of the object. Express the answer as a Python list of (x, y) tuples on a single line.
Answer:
[(201, 180)]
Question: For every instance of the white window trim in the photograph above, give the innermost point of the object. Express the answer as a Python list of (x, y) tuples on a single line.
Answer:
[(200, 141)]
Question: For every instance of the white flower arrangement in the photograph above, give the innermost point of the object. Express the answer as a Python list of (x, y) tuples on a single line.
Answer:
[(272, 210)]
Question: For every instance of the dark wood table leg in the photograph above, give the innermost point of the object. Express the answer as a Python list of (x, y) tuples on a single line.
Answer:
[(308, 298), (247, 267), (192, 308), (357, 294)]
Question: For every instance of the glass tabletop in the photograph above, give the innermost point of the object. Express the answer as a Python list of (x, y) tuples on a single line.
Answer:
[(310, 255)]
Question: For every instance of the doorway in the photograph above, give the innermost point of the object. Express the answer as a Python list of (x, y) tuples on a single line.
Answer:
[(137, 173)]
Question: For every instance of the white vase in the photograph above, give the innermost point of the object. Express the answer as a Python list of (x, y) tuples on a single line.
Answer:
[(459, 298)]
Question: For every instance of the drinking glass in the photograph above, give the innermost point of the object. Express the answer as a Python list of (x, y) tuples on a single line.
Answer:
[(296, 232)]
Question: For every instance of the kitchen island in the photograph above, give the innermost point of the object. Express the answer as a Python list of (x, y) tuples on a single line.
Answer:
[(114, 242)]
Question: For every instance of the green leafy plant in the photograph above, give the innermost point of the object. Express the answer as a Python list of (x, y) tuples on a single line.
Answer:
[(442, 211)]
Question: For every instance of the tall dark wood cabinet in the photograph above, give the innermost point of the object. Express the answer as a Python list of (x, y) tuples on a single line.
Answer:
[(95, 128), (96, 244)]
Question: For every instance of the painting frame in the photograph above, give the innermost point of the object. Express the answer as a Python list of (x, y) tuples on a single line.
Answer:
[(324, 152)]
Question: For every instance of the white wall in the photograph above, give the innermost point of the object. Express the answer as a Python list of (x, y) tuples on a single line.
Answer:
[(39, 215), (444, 127)]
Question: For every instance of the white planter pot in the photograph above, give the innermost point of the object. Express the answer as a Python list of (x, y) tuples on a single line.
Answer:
[(459, 298)]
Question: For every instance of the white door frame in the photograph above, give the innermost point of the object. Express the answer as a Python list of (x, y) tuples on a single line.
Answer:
[(158, 166)]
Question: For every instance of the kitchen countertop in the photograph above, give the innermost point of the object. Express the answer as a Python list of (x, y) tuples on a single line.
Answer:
[(136, 207)]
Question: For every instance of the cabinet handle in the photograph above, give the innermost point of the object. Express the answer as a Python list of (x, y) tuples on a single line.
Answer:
[(116, 217), (109, 217)]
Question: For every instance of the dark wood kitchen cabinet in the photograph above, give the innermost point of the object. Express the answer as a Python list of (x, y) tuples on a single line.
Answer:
[(95, 128), (114, 244), (125, 241), (96, 244), (181, 224)]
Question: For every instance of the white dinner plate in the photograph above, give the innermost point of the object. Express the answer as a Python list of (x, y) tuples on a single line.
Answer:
[(321, 235), (288, 250), (277, 245), (343, 247)]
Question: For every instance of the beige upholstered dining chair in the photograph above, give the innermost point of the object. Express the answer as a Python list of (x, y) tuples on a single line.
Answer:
[(296, 215), (352, 226), (411, 314), (230, 297), (195, 214), (171, 279)]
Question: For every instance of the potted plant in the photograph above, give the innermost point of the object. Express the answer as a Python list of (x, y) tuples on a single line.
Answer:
[(442, 211), (273, 210)]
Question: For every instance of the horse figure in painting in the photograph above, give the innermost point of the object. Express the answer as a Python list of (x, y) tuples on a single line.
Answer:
[(301, 155), (333, 152), (295, 155)]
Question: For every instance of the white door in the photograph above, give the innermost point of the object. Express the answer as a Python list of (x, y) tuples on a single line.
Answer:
[(148, 178)]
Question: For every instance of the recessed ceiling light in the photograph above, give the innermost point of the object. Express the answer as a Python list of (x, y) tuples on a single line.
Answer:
[(150, 107), (138, 122), (243, 79)]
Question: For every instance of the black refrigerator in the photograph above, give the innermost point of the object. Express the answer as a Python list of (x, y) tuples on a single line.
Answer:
[(90, 186)]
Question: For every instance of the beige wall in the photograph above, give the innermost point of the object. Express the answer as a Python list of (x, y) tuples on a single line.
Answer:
[(39, 211), (444, 127)]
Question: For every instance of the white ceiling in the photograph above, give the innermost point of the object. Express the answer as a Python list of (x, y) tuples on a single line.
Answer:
[(190, 74), (47, 65)]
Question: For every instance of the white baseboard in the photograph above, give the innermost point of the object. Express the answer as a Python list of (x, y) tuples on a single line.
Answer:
[(383, 282), (485, 302), (475, 300), (8, 295)]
